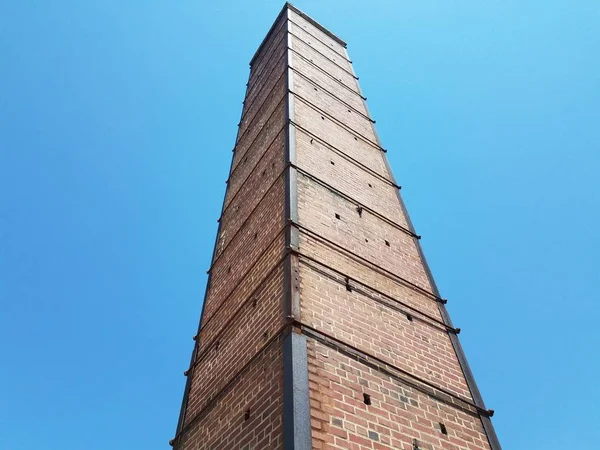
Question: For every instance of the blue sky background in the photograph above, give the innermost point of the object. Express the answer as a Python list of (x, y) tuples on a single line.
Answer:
[(117, 120)]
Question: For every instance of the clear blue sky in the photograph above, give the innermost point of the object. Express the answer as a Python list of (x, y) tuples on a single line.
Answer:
[(117, 120)]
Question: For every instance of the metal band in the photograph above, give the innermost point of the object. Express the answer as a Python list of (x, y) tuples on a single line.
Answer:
[(297, 433)]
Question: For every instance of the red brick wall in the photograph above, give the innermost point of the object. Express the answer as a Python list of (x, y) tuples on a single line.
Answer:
[(259, 182), (271, 136), (351, 224), (335, 169), (234, 261), (267, 72), (398, 414), (235, 382), (229, 348), (223, 424), (380, 327), (315, 39), (299, 21), (342, 138), (364, 235), (356, 269)]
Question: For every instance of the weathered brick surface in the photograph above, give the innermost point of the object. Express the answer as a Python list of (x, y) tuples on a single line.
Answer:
[(365, 235), (261, 229), (243, 165), (397, 414), (258, 390), (304, 53), (365, 156), (350, 95), (227, 351), (265, 51), (318, 45), (327, 102), (263, 90), (264, 104), (227, 305), (331, 68), (268, 68), (310, 28), (377, 325), (357, 269), (348, 177), (336, 134), (259, 181), (262, 68), (263, 116)]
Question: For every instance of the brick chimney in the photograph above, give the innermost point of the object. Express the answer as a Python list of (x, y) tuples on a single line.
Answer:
[(322, 327)]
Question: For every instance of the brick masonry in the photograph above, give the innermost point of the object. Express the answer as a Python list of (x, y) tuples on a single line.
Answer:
[(321, 326)]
